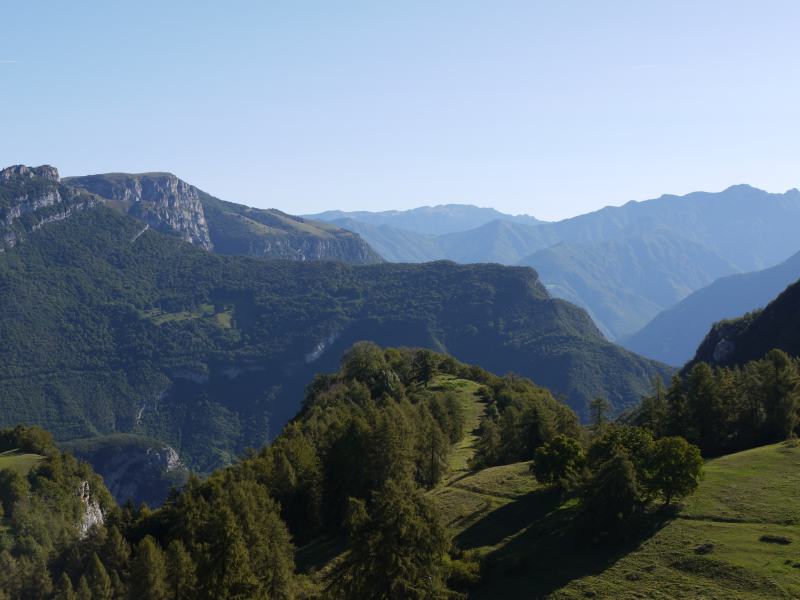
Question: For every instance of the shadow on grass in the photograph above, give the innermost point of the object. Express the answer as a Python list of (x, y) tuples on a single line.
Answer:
[(509, 519), (549, 547)]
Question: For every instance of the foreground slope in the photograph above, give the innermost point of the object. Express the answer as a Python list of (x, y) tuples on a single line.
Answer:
[(109, 326), (736, 537), (674, 335)]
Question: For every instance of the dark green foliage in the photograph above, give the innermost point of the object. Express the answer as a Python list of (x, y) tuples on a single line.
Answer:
[(526, 417), (612, 493), (99, 581), (725, 409), (396, 549), (675, 467), (559, 462), (181, 573), (105, 334), (148, 571)]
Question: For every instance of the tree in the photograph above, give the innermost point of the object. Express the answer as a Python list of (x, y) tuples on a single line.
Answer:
[(676, 467), (598, 413), (432, 450), (558, 461), (148, 571), (98, 579), (181, 572), (612, 494), (83, 591), (64, 590), (396, 548)]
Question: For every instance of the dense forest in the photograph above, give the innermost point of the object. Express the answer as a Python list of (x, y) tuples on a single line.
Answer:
[(353, 467), (109, 328)]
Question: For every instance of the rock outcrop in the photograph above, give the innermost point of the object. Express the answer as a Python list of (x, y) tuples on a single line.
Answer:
[(169, 204), (93, 514), (161, 200), (31, 197)]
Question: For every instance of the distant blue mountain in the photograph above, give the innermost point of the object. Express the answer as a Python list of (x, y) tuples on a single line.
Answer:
[(674, 335), (624, 264), (430, 220)]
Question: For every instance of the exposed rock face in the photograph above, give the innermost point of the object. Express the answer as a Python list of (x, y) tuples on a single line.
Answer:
[(171, 205), (93, 514), (161, 200), (135, 468), (31, 197)]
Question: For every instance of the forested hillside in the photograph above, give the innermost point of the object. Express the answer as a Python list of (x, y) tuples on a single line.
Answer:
[(737, 341), (112, 327)]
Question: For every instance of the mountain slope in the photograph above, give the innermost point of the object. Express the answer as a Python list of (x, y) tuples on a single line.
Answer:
[(737, 341), (429, 220), (111, 327), (733, 538), (624, 283), (674, 335), (394, 244), (502, 242), (171, 205)]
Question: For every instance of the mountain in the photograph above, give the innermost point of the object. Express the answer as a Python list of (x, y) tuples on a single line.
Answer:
[(624, 283), (674, 335), (394, 244), (429, 220), (602, 260), (171, 205), (502, 242), (737, 341), (109, 327)]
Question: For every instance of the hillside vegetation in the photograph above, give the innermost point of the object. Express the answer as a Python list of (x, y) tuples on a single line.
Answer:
[(735, 537), (111, 328)]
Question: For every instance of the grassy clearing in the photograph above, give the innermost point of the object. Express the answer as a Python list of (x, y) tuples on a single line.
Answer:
[(222, 319), (737, 537), (19, 462)]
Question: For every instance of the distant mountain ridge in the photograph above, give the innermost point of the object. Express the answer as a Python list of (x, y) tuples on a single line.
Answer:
[(750, 337), (171, 205), (429, 220), (674, 335), (111, 326), (689, 240)]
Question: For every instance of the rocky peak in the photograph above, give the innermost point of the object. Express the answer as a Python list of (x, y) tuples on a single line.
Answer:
[(161, 200), (31, 197), (22, 172), (93, 514)]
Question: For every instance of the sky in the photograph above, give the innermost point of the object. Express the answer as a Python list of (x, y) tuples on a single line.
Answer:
[(547, 108)]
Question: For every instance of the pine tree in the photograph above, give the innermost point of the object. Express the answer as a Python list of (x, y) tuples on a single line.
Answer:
[(231, 576), (396, 548), (148, 571), (181, 572), (64, 590), (598, 413), (432, 450), (83, 592), (116, 551), (99, 581)]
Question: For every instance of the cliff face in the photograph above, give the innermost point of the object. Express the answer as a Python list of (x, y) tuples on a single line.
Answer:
[(31, 197), (171, 205), (161, 200)]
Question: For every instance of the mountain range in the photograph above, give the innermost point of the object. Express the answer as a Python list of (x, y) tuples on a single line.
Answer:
[(674, 335), (111, 326), (624, 264)]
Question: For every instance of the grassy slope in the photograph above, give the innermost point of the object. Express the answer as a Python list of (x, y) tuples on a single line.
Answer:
[(19, 462), (711, 549)]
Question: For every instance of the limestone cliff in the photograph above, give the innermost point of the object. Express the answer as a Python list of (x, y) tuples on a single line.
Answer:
[(161, 200), (31, 197)]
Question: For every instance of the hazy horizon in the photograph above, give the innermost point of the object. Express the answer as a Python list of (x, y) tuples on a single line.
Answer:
[(528, 108)]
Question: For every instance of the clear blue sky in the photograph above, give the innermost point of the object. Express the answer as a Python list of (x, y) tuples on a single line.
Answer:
[(549, 108)]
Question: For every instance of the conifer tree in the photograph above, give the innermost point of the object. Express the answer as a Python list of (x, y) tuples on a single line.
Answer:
[(99, 581), (181, 572), (64, 590), (83, 591), (148, 571), (396, 548)]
